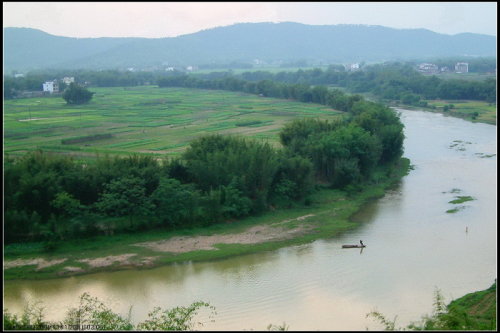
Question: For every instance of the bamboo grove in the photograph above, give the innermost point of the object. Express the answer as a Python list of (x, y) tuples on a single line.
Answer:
[(49, 197)]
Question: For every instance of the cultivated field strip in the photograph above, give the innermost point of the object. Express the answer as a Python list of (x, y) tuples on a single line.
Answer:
[(146, 119)]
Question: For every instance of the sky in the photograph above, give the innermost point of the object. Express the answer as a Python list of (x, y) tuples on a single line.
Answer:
[(171, 19)]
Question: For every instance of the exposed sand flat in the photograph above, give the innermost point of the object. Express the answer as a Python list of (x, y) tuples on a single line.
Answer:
[(257, 234), (109, 260), (41, 263), (253, 235)]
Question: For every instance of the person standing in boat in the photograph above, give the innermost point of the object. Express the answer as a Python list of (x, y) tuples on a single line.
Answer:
[(361, 242)]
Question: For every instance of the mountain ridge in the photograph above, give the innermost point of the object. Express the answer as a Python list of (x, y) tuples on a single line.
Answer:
[(26, 49)]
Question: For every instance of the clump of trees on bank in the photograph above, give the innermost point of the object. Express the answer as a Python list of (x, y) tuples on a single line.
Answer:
[(49, 197)]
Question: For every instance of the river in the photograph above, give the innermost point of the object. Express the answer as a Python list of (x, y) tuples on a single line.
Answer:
[(413, 247)]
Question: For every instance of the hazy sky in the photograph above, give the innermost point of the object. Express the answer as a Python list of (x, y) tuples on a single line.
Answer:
[(170, 19)]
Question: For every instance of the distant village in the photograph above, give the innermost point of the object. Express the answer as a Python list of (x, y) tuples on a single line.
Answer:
[(424, 68), (48, 88), (52, 87)]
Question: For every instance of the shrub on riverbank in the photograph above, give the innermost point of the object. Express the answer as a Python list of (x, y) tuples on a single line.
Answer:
[(92, 314), (474, 311)]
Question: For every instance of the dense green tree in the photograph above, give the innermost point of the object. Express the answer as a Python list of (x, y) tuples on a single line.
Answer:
[(234, 203), (67, 204), (294, 179), (173, 201), (10, 87), (125, 196), (77, 95)]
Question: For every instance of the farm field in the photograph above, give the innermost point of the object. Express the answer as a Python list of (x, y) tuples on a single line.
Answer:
[(145, 119), (471, 110), (467, 76)]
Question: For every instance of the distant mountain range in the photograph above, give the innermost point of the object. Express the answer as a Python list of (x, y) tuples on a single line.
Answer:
[(27, 49)]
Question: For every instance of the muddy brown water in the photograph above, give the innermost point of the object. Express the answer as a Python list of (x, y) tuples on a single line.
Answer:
[(412, 246)]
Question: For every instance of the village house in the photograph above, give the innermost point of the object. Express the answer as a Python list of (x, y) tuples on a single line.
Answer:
[(52, 87), (352, 67), (68, 80), (426, 68), (462, 67)]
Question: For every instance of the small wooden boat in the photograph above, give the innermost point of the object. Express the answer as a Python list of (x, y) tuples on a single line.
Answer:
[(352, 246)]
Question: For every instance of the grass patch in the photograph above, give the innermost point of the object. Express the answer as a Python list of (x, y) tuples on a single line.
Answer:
[(476, 111), (23, 248), (461, 199)]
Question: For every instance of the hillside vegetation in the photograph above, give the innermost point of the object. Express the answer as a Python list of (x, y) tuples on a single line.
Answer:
[(26, 49)]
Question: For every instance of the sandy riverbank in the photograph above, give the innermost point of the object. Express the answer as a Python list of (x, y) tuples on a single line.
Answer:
[(175, 245)]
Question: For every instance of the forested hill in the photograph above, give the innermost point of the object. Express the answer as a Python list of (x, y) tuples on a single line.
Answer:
[(26, 49)]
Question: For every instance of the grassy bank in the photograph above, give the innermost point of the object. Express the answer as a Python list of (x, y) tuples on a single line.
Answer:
[(474, 111), (330, 211), (472, 312), (480, 306)]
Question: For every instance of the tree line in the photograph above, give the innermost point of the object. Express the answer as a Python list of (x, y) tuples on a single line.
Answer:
[(50, 197), (389, 81)]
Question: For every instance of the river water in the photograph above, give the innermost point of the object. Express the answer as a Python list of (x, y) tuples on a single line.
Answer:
[(413, 247)]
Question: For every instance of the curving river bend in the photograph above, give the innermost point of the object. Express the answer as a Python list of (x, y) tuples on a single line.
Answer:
[(413, 246)]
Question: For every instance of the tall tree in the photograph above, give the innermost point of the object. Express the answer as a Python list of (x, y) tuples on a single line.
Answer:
[(125, 196), (77, 95)]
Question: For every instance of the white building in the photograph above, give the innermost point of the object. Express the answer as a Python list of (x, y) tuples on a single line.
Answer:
[(52, 87), (352, 67), (68, 80), (462, 67), (427, 68)]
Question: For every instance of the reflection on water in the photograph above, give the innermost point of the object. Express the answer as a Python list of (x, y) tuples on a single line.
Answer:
[(413, 246)]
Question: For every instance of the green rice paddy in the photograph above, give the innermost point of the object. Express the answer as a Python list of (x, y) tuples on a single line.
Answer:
[(146, 119)]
